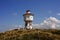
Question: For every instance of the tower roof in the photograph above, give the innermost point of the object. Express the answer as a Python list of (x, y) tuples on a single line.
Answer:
[(28, 13)]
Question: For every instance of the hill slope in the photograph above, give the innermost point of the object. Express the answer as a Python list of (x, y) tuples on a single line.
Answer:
[(36, 34)]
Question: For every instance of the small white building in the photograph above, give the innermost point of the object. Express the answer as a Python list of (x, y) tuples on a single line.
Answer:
[(28, 18)]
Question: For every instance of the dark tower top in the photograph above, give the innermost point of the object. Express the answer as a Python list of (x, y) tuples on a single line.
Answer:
[(28, 13)]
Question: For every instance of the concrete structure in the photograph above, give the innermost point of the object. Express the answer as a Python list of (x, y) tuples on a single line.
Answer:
[(28, 18)]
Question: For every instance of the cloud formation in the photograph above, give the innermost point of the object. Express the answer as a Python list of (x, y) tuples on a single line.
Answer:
[(58, 14), (49, 23), (16, 27), (49, 11)]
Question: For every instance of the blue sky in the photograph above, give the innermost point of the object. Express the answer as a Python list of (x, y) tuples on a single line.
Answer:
[(11, 11)]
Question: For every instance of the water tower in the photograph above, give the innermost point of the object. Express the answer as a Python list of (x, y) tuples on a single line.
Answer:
[(28, 18)]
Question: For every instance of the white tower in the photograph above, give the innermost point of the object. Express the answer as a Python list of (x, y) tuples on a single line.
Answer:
[(28, 18)]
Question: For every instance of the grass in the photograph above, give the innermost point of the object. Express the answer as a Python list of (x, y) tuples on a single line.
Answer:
[(36, 34)]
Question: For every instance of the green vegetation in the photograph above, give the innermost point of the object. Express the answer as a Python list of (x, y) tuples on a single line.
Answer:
[(36, 34)]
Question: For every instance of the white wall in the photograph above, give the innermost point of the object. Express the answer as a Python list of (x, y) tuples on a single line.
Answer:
[(29, 17)]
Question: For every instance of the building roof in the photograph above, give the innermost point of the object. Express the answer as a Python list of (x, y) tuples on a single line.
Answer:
[(28, 13)]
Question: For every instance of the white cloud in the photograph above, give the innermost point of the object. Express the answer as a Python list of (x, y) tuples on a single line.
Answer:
[(58, 14), (49, 11), (15, 27), (49, 23), (36, 26)]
